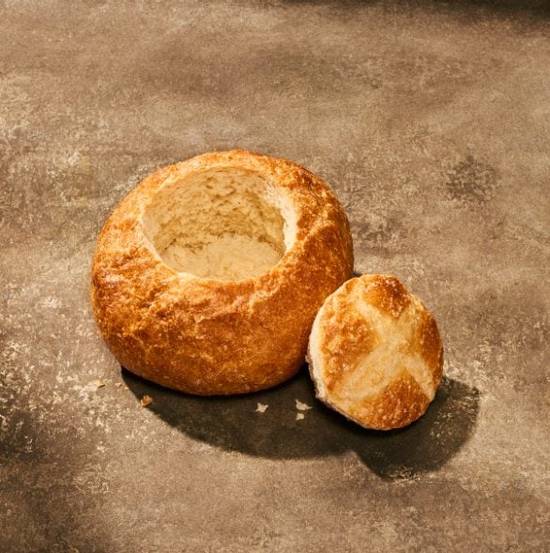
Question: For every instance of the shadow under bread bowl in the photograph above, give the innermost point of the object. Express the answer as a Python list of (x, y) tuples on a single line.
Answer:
[(375, 354), (208, 275)]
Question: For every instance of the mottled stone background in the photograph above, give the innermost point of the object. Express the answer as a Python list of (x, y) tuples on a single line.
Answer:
[(432, 122)]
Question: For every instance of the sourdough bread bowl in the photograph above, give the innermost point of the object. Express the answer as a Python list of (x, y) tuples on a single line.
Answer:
[(375, 354), (207, 276)]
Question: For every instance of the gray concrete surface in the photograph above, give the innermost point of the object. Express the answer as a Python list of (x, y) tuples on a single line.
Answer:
[(432, 122)]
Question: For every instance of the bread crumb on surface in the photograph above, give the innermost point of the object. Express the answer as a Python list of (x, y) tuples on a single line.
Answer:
[(302, 406), (118, 384), (300, 416), (146, 400), (98, 384), (261, 408)]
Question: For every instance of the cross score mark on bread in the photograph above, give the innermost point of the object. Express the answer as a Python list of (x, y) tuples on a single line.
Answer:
[(375, 353)]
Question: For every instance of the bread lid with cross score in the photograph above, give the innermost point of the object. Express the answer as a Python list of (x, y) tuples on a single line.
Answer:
[(375, 353)]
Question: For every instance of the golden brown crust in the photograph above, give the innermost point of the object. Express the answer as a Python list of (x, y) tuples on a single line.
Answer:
[(386, 293), (218, 337), (375, 353), (347, 335), (401, 402), (430, 345)]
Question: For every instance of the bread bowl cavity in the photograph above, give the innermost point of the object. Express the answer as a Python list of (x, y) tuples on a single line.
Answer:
[(208, 275), (224, 223)]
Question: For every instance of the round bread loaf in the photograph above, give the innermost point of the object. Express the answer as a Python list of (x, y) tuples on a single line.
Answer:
[(375, 354), (208, 275)]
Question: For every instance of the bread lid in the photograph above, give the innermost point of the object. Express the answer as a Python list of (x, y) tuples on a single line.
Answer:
[(375, 354)]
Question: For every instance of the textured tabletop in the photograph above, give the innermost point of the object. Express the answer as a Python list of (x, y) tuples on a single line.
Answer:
[(431, 120)]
